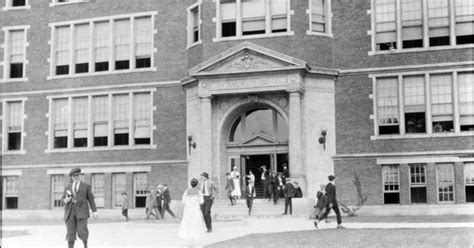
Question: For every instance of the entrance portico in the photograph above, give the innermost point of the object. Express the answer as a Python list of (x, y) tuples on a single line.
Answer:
[(251, 84)]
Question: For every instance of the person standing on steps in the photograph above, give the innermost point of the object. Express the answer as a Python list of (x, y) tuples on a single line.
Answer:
[(229, 187), (289, 193), (250, 194)]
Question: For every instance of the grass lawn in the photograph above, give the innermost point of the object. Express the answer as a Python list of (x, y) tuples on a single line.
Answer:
[(419, 237)]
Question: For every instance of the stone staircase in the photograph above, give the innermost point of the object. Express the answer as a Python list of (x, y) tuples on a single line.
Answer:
[(262, 208)]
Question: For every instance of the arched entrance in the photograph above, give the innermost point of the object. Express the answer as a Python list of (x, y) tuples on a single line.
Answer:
[(257, 135)]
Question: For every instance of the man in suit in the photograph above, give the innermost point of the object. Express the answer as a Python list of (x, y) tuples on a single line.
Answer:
[(166, 202), (76, 198), (159, 199), (285, 172), (332, 203), (288, 192), (271, 185), (229, 187), (265, 180), (207, 190), (250, 194)]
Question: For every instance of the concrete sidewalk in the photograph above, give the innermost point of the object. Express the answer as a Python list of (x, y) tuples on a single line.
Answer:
[(156, 234)]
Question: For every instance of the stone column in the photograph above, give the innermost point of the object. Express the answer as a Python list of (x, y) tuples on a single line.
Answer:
[(295, 143), (205, 141)]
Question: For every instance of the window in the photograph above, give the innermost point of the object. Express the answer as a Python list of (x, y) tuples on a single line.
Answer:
[(113, 44), (391, 184), (118, 187), (466, 101), (385, 25), (80, 121), (418, 183), (11, 192), (415, 107), (387, 105), (320, 16), (98, 189), (441, 103), (464, 21), (412, 23), (260, 121), (421, 24), (252, 17), (194, 23), (118, 119), (445, 175), (57, 190), (16, 4), (60, 122), (100, 120), (140, 182), (15, 53), (14, 126), (469, 181)]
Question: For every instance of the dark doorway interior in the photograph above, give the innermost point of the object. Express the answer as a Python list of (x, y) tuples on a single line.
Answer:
[(253, 163), (282, 159)]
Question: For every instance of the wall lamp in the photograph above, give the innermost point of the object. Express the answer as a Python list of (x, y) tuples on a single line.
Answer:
[(191, 143), (322, 139)]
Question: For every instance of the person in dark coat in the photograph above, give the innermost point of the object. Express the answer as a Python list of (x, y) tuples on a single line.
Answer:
[(320, 207), (77, 197), (166, 202), (208, 191), (289, 193), (285, 172), (332, 203), (271, 185), (279, 185), (250, 194), (229, 187), (159, 199), (298, 191), (265, 180)]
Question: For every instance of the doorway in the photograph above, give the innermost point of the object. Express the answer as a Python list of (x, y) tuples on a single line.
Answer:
[(253, 163)]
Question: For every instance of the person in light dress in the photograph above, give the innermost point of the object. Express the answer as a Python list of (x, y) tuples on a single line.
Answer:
[(237, 191), (192, 226)]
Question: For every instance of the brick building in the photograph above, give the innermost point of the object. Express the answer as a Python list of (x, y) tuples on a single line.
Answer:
[(139, 94)]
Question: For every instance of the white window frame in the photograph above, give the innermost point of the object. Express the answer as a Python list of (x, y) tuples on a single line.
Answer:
[(429, 124), (6, 55), (426, 45), (328, 21), (418, 177), (191, 24), (6, 194), (91, 22), (391, 168), (99, 198), (117, 193), (8, 6), (137, 190), (453, 183), (55, 3), (239, 36), (469, 173), (90, 137), (60, 191), (4, 134)]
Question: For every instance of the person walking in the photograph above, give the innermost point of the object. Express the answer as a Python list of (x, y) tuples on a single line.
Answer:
[(192, 226), (151, 204), (229, 187), (125, 206), (77, 197), (207, 189), (332, 203), (159, 198), (289, 193), (166, 202), (250, 194), (320, 207)]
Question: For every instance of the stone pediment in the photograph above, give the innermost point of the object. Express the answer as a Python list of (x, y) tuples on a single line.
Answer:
[(258, 139), (246, 57)]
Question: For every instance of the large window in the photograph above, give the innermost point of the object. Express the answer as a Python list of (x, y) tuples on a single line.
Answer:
[(57, 190), (418, 24), (119, 119), (108, 44), (391, 184), (320, 17), (445, 175), (98, 189), (418, 183), (237, 18), (194, 24), (118, 187), (404, 103), (140, 182), (13, 121), (15, 53), (10, 192), (469, 181)]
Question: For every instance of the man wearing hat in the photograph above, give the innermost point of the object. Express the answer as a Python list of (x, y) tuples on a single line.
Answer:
[(77, 197), (207, 190), (332, 203)]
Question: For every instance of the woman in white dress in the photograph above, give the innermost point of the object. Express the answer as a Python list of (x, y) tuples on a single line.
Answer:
[(192, 226), (236, 177)]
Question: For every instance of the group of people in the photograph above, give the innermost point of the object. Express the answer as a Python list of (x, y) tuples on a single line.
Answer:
[(197, 202), (157, 202)]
